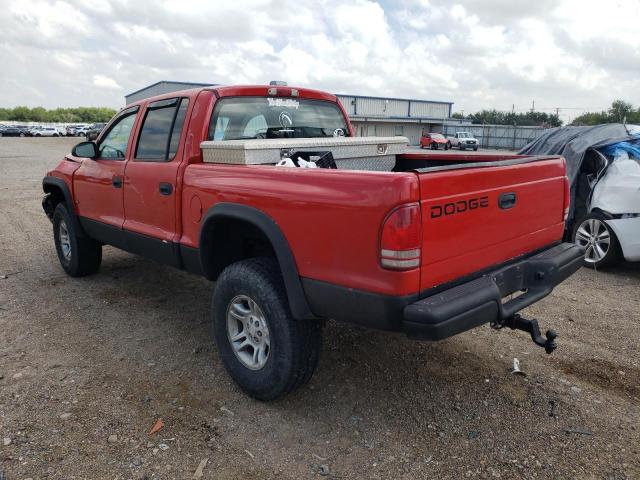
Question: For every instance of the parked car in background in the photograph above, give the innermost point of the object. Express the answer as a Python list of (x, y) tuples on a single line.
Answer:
[(46, 132), (81, 131), (12, 131), (94, 130), (463, 140), (70, 131), (434, 141)]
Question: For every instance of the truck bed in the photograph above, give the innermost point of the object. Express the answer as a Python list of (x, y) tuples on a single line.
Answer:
[(331, 218)]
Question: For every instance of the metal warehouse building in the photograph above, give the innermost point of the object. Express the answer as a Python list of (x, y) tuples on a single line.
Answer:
[(370, 116)]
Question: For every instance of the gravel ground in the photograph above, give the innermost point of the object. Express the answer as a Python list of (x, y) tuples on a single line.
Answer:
[(87, 366)]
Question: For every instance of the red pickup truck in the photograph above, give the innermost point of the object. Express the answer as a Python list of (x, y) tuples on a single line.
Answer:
[(432, 246)]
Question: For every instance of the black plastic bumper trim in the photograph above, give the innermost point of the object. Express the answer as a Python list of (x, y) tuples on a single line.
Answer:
[(479, 301)]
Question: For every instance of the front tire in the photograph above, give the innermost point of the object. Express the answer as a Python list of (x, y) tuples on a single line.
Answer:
[(264, 349), (79, 256), (599, 240)]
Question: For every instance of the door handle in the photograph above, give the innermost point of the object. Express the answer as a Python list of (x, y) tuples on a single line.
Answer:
[(116, 181), (165, 188), (507, 200)]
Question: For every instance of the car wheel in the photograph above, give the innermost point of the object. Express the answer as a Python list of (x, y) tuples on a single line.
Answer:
[(37, 135), (475, 149), (602, 248), (21, 134), (264, 349), (448, 146), (55, 134), (79, 256)]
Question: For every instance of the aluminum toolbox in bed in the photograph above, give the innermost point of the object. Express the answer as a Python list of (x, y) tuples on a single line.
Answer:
[(348, 152)]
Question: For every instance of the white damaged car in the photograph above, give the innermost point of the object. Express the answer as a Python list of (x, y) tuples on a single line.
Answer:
[(611, 229), (603, 166)]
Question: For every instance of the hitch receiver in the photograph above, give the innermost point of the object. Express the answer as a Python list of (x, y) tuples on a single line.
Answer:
[(516, 322)]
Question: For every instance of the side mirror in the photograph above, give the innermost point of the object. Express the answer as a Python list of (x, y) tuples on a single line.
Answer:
[(85, 150)]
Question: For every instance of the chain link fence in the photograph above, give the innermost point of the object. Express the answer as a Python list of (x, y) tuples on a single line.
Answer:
[(503, 137)]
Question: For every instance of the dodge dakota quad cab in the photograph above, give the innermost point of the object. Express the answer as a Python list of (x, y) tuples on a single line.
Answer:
[(463, 140), (429, 245)]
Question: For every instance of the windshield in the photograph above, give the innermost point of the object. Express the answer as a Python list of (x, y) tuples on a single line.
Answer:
[(242, 118), (437, 135), (464, 135)]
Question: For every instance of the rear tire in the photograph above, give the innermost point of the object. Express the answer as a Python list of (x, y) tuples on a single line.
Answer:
[(602, 245), (266, 351), (79, 256)]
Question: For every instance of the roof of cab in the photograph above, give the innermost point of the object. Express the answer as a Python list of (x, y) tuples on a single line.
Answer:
[(241, 91)]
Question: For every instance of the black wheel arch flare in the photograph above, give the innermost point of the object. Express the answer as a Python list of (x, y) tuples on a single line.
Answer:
[(49, 184), (264, 223)]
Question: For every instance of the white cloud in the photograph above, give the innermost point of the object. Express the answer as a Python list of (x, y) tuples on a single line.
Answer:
[(102, 81), (477, 53)]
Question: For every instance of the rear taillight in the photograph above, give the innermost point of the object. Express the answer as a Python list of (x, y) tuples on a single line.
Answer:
[(567, 199), (401, 238)]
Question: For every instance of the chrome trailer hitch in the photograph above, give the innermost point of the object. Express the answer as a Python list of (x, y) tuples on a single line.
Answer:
[(516, 322)]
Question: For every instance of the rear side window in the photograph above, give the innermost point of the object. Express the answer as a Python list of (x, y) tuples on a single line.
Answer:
[(161, 129)]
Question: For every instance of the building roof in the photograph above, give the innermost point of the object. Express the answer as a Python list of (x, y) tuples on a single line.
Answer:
[(193, 84), (337, 94)]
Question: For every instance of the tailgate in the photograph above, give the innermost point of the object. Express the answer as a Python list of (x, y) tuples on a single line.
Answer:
[(477, 216)]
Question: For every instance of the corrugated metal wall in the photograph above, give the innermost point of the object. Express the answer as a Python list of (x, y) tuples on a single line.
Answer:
[(391, 107), (349, 104), (429, 110), (412, 131)]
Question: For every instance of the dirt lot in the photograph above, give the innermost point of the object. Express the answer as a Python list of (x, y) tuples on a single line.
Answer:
[(88, 365)]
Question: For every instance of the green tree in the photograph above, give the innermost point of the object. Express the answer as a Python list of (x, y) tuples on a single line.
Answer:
[(620, 110), (58, 115)]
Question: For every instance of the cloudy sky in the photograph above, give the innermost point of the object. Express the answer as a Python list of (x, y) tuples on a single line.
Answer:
[(572, 54)]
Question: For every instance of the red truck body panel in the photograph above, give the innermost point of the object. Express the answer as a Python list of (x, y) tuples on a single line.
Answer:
[(330, 218)]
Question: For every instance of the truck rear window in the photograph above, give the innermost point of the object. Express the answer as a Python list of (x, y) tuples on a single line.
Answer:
[(241, 118)]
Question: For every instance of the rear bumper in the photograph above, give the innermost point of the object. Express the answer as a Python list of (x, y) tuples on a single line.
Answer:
[(480, 301), (434, 316)]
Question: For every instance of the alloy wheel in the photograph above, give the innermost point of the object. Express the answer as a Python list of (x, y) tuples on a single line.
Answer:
[(594, 236), (248, 332)]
